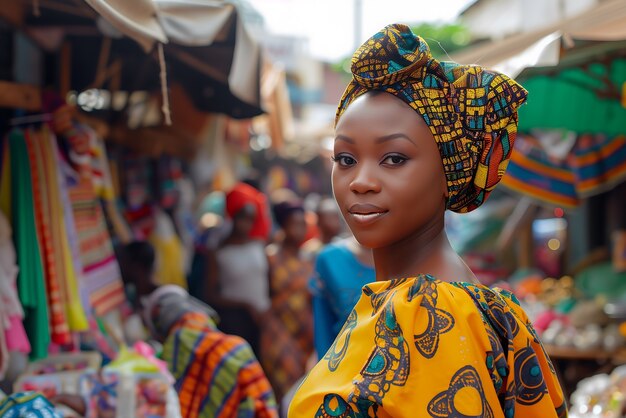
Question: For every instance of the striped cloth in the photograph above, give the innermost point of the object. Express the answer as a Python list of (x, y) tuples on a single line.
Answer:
[(51, 254), (595, 164), (216, 374), (101, 272)]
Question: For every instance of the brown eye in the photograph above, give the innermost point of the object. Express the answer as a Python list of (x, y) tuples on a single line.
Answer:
[(394, 159), (344, 160)]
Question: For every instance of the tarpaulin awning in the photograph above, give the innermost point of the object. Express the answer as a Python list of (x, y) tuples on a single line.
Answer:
[(574, 70), (605, 22), (206, 47)]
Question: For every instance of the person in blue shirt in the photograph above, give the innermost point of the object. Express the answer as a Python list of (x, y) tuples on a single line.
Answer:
[(341, 270)]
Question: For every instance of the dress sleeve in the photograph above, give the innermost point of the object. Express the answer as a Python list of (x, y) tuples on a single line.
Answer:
[(521, 371)]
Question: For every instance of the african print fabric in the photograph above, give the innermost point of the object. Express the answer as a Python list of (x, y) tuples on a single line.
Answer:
[(216, 374), (471, 112), (27, 405), (287, 331), (424, 348)]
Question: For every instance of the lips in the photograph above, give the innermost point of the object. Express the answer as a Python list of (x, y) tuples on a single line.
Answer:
[(365, 213)]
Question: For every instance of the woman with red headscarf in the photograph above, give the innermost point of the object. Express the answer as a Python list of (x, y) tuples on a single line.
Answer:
[(238, 274)]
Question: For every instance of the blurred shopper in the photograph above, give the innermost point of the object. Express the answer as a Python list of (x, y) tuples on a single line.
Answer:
[(217, 375), (329, 225), (288, 327), (341, 270), (238, 273)]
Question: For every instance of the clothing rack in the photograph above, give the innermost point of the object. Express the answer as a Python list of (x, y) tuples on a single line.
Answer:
[(24, 120)]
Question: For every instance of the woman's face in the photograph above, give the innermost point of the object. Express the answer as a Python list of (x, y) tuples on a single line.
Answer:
[(243, 221), (295, 227), (387, 176)]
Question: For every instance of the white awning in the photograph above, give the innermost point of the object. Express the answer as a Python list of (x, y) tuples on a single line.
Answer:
[(606, 22)]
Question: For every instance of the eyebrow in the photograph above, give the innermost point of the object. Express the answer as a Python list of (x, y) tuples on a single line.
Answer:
[(393, 136), (378, 140)]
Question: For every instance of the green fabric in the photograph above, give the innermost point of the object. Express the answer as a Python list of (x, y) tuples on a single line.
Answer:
[(30, 280), (561, 102)]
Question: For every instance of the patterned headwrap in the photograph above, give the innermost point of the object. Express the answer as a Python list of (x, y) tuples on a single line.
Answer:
[(471, 112)]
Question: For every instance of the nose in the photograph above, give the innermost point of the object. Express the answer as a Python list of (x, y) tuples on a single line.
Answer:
[(365, 180)]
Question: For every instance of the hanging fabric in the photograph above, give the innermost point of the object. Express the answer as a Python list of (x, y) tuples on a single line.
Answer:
[(51, 257), (30, 280), (69, 283), (12, 334), (100, 269)]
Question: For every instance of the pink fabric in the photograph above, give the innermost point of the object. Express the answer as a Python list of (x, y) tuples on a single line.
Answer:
[(15, 335)]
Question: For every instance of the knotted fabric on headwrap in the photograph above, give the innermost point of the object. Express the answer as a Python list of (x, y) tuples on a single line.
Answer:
[(471, 111)]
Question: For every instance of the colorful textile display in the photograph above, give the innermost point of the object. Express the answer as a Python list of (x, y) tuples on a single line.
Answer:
[(471, 112), (30, 281), (43, 175), (216, 374), (595, 163), (170, 262), (27, 405), (12, 334), (287, 332), (100, 269), (394, 359)]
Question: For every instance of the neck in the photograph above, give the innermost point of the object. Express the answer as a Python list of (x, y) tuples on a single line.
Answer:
[(426, 252), (290, 247), (237, 239)]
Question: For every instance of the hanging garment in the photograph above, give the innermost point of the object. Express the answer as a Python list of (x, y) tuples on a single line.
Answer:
[(51, 254), (101, 272), (30, 280), (12, 334), (169, 251), (74, 309)]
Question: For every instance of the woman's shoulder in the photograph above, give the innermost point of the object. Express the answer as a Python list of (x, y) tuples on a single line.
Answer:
[(457, 299)]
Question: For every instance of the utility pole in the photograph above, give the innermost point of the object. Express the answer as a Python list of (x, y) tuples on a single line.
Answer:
[(358, 23)]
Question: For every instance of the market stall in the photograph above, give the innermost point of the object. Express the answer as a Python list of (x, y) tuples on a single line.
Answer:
[(105, 109), (569, 169)]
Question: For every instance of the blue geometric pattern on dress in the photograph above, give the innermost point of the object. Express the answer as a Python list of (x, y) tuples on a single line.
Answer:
[(529, 382), (378, 299), (444, 406), (496, 360), (388, 363), (494, 310), (334, 406), (439, 321), (335, 356), (508, 406)]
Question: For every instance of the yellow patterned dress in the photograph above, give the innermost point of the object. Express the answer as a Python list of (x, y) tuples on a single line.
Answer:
[(421, 347)]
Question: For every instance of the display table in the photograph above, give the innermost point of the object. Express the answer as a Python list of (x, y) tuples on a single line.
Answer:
[(617, 357), (572, 365)]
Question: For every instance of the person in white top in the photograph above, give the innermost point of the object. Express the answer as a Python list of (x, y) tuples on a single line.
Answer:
[(238, 284)]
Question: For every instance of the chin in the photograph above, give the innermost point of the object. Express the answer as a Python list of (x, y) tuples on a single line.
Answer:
[(369, 239)]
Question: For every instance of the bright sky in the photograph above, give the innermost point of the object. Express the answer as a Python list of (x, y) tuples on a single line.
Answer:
[(329, 24)]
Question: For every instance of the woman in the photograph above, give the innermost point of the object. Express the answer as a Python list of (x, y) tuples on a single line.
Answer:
[(415, 137), (238, 273), (341, 270), (288, 327)]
